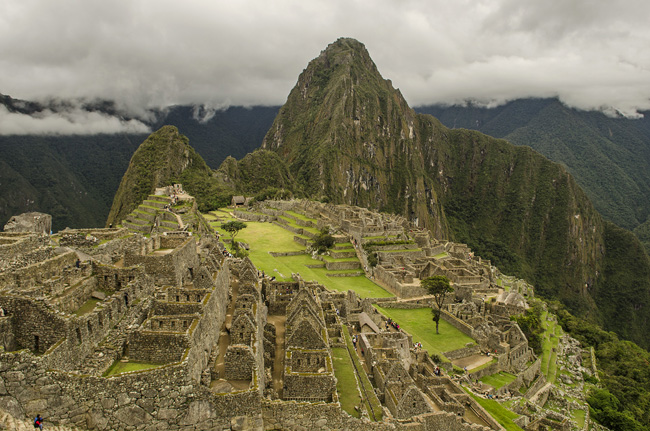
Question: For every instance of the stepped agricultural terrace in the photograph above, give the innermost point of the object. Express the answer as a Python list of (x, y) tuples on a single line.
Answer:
[(150, 325)]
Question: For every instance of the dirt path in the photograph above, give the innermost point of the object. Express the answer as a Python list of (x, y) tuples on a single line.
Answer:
[(278, 362)]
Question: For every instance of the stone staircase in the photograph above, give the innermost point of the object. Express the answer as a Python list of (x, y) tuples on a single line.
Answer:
[(8, 422), (143, 217)]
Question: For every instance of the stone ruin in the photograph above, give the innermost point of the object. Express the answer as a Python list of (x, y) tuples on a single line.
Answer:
[(223, 347), (30, 222)]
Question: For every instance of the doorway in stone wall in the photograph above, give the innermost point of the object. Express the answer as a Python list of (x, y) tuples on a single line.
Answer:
[(36, 343)]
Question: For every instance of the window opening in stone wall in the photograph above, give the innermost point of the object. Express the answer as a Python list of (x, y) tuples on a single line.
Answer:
[(79, 335), (36, 343), (90, 328), (110, 314), (126, 299), (100, 320), (178, 298), (173, 324)]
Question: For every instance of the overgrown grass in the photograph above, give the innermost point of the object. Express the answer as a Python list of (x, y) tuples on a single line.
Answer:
[(418, 323), (344, 372)]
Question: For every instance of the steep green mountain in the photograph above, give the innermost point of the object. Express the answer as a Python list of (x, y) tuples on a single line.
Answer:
[(163, 158), (75, 178), (349, 137), (255, 172), (608, 156), (166, 157)]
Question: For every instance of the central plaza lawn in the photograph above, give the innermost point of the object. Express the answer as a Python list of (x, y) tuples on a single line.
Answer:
[(346, 384), (418, 323), (264, 237)]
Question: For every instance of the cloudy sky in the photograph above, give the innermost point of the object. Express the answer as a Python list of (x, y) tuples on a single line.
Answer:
[(151, 53)]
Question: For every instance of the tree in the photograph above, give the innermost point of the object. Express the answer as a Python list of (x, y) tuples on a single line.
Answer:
[(438, 286), (233, 228), (324, 241)]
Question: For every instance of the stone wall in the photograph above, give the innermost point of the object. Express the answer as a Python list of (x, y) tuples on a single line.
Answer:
[(18, 250), (309, 386), (240, 363), (457, 323), (295, 415), (170, 268), (31, 275), (157, 347), (463, 352)]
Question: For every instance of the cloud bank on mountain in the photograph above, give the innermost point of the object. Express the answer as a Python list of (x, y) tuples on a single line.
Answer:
[(153, 53)]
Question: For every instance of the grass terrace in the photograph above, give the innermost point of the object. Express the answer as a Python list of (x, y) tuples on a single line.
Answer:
[(87, 307), (300, 216), (502, 415), (120, 367), (370, 399), (418, 323), (552, 332), (344, 372), (498, 380)]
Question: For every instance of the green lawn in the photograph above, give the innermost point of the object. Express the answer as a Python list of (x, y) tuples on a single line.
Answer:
[(346, 381), (498, 380), (418, 323), (499, 413), (124, 367), (87, 307)]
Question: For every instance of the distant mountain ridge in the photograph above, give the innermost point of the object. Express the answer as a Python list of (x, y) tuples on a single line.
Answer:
[(609, 157)]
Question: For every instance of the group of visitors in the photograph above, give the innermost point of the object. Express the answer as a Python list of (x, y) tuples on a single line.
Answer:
[(392, 323)]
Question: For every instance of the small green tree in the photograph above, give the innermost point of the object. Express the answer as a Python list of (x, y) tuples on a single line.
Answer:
[(233, 228), (324, 241), (438, 286)]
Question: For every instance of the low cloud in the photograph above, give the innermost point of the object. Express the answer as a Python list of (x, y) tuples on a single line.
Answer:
[(72, 122), (147, 54)]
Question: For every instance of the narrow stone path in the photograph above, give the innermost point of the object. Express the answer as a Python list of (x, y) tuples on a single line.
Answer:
[(278, 362)]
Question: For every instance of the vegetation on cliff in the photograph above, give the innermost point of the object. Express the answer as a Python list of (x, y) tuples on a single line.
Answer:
[(608, 155), (162, 158)]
